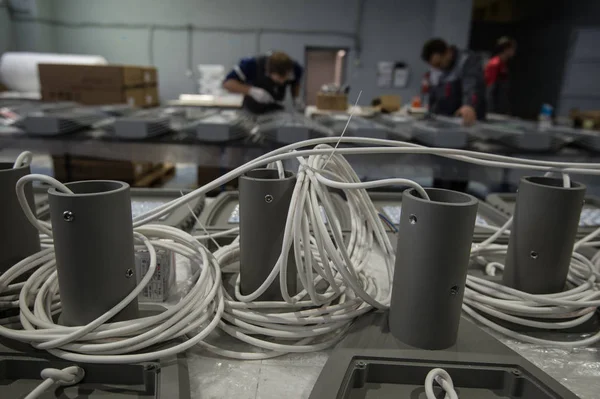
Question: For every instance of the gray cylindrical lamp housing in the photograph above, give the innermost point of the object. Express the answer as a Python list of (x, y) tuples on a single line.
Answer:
[(93, 242), (545, 223), (434, 245), (264, 203), (18, 237)]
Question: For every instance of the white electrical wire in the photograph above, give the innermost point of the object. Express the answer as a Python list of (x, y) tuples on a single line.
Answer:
[(279, 166), (68, 376), (389, 146), (484, 299), (330, 270), (24, 159), (100, 341), (335, 284), (444, 380)]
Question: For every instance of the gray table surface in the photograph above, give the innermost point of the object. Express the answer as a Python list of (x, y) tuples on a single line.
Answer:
[(292, 376)]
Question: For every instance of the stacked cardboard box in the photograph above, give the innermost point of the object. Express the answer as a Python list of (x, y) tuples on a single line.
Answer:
[(586, 119), (332, 101), (99, 84)]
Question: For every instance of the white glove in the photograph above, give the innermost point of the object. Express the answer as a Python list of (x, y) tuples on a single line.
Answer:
[(260, 95)]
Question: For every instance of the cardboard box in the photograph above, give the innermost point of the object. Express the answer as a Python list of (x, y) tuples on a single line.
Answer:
[(151, 96), (390, 102), (497, 10), (586, 119), (332, 101), (150, 76), (135, 97), (90, 77)]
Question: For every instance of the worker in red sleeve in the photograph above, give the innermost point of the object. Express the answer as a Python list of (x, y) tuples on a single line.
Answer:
[(456, 84), (497, 78)]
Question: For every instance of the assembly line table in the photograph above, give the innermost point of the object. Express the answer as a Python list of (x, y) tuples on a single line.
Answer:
[(293, 376), (183, 148)]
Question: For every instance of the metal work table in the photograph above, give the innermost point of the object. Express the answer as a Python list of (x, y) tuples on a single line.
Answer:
[(183, 148), (292, 376), (170, 148)]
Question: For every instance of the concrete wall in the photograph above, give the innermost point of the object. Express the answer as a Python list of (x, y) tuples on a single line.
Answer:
[(32, 36), (452, 21), (5, 30), (390, 31), (581, 79)]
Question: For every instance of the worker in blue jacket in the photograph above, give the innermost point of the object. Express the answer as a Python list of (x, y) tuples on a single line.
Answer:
[(263, 81), (456, 81)]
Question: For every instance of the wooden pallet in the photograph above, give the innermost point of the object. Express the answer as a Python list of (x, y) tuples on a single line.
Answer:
[(136, 174), (159, 175), (69, 168)]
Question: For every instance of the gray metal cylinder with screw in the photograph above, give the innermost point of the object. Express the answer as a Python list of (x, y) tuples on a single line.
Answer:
[(543, 231), (93, 242), (18, 236), (264, 203), (434, 244)]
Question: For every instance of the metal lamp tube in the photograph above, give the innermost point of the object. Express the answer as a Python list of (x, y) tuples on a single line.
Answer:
[(264, 203), (93, 242), (545, 223), (434, 244), (19, 238)]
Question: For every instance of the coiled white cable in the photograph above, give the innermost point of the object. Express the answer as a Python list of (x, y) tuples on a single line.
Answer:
[(331, 270), (484, 299), (335, 286), (194, 317)]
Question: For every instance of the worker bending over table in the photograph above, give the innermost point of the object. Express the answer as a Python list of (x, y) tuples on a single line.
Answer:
[(263, 81), (456, 88), (456, 82)]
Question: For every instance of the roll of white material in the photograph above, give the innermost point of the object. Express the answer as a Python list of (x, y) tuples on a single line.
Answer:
[(19, 72)]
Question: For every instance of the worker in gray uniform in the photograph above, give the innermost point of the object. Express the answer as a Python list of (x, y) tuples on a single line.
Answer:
[(456, 88), (456, 81)]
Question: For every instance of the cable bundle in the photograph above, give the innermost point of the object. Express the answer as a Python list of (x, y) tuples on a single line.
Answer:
[(484, 299), (336, 288), (331, 269), (104, 342)]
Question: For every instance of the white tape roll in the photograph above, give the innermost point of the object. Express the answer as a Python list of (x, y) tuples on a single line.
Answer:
[(19, 72)]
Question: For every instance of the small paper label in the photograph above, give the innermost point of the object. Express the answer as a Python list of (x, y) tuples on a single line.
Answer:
[(159, 286)]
